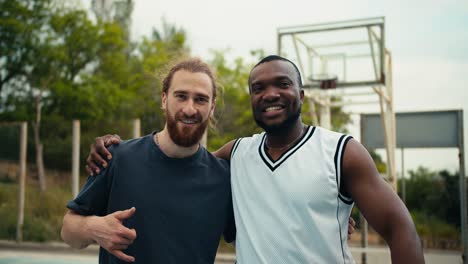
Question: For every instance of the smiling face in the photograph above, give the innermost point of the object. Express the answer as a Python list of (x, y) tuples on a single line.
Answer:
[(188, 104), (275, 95)]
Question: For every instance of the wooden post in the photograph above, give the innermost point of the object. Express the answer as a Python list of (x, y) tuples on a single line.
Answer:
[(136, 128), (76, 158), (21, 181), (463, 198)]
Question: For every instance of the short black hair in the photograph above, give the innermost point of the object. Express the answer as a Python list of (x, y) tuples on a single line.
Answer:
[(275, 58)]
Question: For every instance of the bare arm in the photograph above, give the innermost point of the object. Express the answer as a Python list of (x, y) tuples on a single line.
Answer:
[(75, 230), (225, 151), (380, 205), (80, 231)]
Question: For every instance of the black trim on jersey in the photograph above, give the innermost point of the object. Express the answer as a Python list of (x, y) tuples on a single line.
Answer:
[(350, 199), (304, 138), (341, 145), (339, 226), (261, 156), (340, 149), (234, 147), (345, 199), (335, 159)]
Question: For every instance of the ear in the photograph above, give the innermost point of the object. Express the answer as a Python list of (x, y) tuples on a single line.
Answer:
[(163, 101), (301, 94)]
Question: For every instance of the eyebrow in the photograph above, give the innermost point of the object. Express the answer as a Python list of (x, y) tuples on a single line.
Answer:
[(196, 94), (277, 78), (283, 78)]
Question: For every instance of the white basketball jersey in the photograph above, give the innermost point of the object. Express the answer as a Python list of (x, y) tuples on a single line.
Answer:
[(290, 210)]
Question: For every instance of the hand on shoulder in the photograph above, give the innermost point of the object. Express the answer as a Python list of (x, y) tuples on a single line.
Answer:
[(99, 154)]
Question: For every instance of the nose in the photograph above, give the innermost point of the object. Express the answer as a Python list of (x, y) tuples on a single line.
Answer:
[(189, 108), (271, 93)]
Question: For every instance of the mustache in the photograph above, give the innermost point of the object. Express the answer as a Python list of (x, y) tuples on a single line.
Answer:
[(196, 117)]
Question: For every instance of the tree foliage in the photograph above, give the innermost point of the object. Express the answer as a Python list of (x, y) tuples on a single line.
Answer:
[(20, 22), (433, 199), (435, 194), (59, 64)]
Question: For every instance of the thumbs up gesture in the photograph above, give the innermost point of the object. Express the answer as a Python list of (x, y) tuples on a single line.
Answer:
[(109, 232)]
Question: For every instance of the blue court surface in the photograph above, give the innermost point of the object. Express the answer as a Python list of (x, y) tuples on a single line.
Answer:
[(375, 256), (24, 257), (27, 260)]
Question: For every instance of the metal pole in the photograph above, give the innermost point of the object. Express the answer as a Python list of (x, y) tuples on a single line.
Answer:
[(371, 46), (325, 113), (463, 201), (278, 43), (136, 128), (296, 49), (76, 157), (391, 120), (403, 180), (313, 112), (383, 118), (364, 240), (22, 181)]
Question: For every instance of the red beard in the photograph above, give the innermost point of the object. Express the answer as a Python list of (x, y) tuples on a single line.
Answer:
[(186, 136)]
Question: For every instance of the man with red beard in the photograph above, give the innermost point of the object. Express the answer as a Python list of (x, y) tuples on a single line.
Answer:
[(162, 198)]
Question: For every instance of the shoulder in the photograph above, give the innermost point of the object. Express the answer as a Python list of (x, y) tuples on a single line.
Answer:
[(215, 162), (130, 147), (246, 144), (327, 134), (331, 140), (356, 156), (231, 148), (226, 151)]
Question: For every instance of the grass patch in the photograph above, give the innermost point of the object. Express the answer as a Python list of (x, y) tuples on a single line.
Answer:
[(43, 212)]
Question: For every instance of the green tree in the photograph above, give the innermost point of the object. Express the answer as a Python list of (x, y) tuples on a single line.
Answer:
[(435, 194), (72, 61), (233, 112), (20, 22)]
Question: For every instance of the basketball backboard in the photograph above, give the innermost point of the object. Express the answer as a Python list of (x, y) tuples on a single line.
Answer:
[(352, 51)]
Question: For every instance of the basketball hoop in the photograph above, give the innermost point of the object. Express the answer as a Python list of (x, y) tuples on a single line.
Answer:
[(324, 81)]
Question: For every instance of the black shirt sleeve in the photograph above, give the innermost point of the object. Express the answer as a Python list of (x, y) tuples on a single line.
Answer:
[(93, 197)]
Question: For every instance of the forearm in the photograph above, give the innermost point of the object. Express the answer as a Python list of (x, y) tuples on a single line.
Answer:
[(76, 230), (405, 246)]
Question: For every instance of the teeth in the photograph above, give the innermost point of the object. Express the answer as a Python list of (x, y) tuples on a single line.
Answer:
[(273, 108), (188, 121)]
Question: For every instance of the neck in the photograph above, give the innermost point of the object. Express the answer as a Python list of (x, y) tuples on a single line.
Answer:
[(285, 136), (170, 149)]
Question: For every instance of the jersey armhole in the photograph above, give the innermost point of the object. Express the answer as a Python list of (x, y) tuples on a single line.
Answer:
[(234, 147), (339, 154)]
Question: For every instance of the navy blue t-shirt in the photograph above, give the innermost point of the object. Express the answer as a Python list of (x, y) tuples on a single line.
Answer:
[(183, 206)]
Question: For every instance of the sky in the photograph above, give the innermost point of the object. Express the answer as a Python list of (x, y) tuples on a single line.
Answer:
[(428, 41)]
